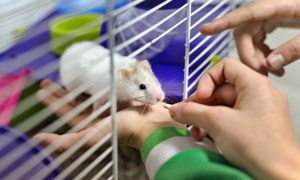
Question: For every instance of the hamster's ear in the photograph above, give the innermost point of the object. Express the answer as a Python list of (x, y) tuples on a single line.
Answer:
[(124, 74), (145, 64)]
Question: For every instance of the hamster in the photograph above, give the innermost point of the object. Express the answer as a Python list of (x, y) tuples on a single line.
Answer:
[(88, 61)]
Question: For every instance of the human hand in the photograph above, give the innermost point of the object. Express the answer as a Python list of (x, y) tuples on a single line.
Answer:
[(249, 120), (135, 123), (253, 22)]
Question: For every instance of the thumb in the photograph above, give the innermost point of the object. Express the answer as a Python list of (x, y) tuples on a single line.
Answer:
[(211, 118), (284, 54)]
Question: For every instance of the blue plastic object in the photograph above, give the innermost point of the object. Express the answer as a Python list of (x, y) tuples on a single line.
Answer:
[(71, 6), (19, 144), (171, 5), (166, 55), (159, 22)]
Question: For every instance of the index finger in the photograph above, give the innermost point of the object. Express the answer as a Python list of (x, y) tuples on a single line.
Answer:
[(228, 71), (53, 87), (252, 12)]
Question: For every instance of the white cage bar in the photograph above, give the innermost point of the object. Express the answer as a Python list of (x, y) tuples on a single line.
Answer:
[(198, 53)]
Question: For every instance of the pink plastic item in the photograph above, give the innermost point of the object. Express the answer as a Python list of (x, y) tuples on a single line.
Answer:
[(11, 86)]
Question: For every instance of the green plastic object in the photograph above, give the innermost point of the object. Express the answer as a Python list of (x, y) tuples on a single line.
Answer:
[(19, 31), (66, 30), (214, 60), (20, 114)]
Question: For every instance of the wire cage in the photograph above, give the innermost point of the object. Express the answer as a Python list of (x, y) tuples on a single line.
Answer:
[(34, 34)]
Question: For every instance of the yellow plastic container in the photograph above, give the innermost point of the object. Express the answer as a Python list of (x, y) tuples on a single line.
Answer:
[(66, 30)]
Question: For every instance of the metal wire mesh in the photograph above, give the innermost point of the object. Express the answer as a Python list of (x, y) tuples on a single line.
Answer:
[(134, 30)]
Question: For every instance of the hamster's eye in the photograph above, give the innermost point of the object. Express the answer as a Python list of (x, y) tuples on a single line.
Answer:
[(142, 86)]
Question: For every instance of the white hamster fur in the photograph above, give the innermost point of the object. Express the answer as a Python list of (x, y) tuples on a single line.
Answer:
[(88, 61)]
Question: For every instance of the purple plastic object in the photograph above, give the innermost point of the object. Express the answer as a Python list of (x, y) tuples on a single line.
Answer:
[(11, 86), (170, 5), (28, 51), (169, 58), (71, 6), (143, 25), (171, 81), (18, 143)]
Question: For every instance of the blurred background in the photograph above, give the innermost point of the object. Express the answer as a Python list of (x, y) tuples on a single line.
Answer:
[(20, 43), (289, 83)]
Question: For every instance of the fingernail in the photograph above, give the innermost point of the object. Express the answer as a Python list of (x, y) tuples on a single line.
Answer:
[(167, 106), (276, 61), (172, 111)]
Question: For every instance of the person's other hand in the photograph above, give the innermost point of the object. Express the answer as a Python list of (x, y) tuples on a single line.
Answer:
[(135, 123), (249, 120), (253, 22)]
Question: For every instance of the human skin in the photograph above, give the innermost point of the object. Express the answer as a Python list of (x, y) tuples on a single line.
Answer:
[(134, 122), (255, 134), (252, 23), (250, 124)]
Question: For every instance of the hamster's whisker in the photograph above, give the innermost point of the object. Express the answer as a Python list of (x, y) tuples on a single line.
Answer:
[(145, 107), (138, 97), (150, 98), (171, 87), (171, 83), (171, 100)]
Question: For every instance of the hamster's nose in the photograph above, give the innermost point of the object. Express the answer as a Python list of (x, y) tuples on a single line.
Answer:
[(160, 98)]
